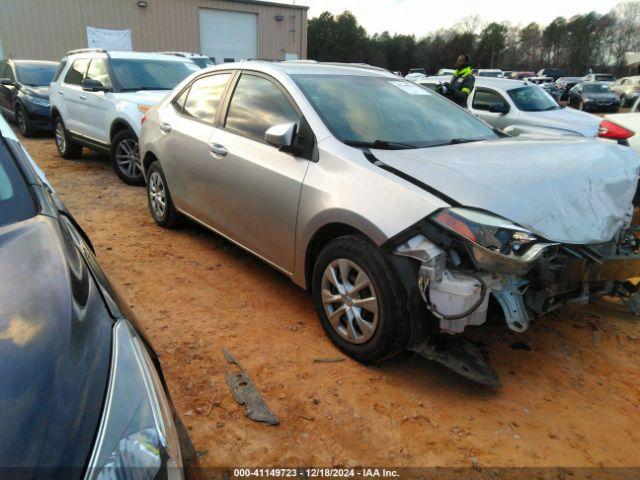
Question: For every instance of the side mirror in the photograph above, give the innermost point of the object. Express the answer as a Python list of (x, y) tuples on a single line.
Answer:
[(92, 85), (7, 82), (501, 108), (281, 135)]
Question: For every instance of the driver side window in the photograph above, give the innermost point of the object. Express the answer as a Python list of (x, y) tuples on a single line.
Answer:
[(487, 99), (257, 105)]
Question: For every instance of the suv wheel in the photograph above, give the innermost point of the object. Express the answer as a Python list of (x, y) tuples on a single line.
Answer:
[(360, 299), (125, 158), (623, 100), (67, 148), (23, 121), (159, 198)]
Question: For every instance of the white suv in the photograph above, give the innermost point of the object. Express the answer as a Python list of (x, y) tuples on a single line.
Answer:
[(98, 99)]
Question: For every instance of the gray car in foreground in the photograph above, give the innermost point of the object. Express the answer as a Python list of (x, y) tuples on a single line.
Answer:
[(400, 212)]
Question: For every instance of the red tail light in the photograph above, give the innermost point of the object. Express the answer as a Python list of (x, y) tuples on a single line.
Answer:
[(611, 130), (143, 119)]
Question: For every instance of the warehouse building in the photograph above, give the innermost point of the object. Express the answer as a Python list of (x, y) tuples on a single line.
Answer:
[(227, 30)]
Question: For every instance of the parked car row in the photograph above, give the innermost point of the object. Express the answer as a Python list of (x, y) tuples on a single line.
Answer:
[(385, 276)]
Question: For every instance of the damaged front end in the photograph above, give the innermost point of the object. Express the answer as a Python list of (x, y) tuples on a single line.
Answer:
[(465, 256)]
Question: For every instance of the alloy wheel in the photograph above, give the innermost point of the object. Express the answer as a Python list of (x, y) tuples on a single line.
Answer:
[(60, 138), (128, 158), (350, 301), (157, 195)]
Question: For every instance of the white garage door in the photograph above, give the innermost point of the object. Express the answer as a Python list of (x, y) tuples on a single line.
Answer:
[(228, 36)]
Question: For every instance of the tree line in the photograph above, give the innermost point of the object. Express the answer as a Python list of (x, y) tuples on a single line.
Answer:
[(590, 40)]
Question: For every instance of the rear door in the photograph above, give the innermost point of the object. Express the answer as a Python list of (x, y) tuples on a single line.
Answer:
[(254, 187), (187, 126), (71, 105), (94, 106)]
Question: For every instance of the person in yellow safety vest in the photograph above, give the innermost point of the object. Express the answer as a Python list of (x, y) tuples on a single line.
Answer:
[(461, 84)]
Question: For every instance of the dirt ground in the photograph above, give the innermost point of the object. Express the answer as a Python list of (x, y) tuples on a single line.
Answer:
[(572, 400)]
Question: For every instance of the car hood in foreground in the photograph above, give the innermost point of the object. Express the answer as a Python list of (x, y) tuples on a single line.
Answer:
[(149, 98), (55, 347), (570, 191), (584, 123)]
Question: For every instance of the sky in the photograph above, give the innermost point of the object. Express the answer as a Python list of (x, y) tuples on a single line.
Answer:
[(420, 17)]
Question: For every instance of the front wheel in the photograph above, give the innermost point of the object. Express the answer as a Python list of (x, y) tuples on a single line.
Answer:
[(125, 158), (23, 122), (360, 299)]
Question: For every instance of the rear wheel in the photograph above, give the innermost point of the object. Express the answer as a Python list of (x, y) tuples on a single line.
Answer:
[(360, 299), (159, 198), (125, 158), (581, 105), (67, 147), (623, 100), (22, 120)]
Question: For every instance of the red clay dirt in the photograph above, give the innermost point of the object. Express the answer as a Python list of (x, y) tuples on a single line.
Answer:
[(572, 400)]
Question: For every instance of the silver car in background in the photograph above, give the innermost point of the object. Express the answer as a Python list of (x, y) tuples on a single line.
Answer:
[(401, 213), (523, 107)]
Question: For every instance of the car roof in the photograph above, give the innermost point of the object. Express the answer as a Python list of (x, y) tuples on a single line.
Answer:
[(596, 82), (302, 67), (185, 54), (124, 55), (570, 78), (32, 62)]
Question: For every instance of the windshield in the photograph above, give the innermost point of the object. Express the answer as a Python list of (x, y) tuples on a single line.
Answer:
[(36, 74), (388, 113), (605, 78), (16, 203), (532, 99), (596, 89), (203, 62), (150, 74)]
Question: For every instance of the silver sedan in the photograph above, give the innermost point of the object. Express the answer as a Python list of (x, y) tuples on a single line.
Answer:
[(400, 212)]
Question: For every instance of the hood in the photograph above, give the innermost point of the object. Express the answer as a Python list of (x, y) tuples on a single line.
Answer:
[(42, 92), (55, 347), (568, 119), (149, 98), (570, 191)]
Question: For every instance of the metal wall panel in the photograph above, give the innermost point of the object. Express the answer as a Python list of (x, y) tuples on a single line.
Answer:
[(47, 29)]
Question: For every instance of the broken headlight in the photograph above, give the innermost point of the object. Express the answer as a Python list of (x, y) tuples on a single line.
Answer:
[(496, 244)]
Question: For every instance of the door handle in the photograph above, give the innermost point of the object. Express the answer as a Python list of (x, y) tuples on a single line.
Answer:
[(61, 92), (83, 97), (218, 149), (165, 127)]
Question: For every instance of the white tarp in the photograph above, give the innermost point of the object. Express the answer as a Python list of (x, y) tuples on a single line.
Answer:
[(119, 40)]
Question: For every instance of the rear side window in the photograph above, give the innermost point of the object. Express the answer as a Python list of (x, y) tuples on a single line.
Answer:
[(98, 71), (257, 105), (76, 72), (203, 100), (16, 203)]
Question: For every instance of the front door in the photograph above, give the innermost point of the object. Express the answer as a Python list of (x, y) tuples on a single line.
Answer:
[(255, 187), (95, 105)]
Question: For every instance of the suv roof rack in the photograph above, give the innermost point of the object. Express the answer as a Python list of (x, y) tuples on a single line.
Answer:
[(87, 50)]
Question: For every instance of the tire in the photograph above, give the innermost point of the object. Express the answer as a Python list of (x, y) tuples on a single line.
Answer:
[(22, 120), (125, 158), (623, 100), (67, 148), (581, 106), (350, 256), (168, 217)]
